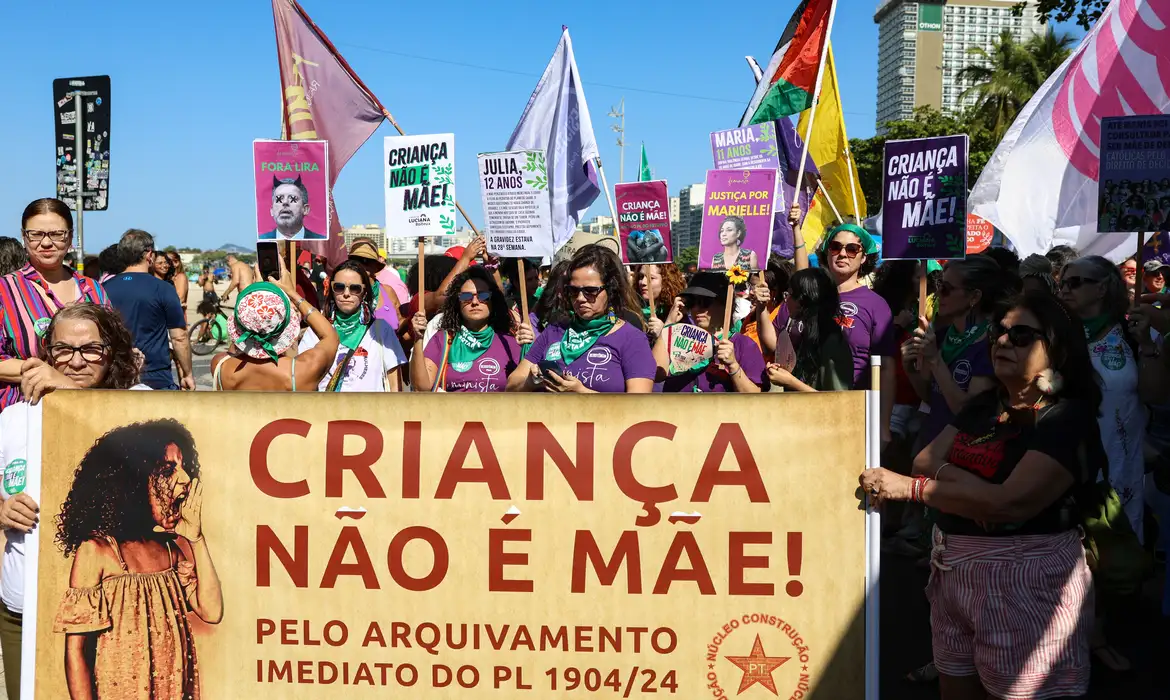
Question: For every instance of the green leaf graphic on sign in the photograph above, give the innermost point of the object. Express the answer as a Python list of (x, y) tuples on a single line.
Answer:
[(441, 174), (535, 163), (769, 151), (447, 223), (767, 131), (539, 182)]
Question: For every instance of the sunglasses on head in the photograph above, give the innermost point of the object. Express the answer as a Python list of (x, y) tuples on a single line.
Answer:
[(1018, 336), (1075, 283), (590, 293), (466, 297), (852, 250), (354, 289)]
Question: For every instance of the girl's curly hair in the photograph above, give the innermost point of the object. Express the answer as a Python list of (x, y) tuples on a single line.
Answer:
[(123, 370), (500, 318), (673, 283), (110, 495)]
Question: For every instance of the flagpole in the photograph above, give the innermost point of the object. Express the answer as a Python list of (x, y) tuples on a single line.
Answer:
[(608, 198), (812, 111), (836, 212)]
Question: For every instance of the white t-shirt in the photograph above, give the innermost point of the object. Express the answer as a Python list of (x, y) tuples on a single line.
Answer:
[(378, 353)]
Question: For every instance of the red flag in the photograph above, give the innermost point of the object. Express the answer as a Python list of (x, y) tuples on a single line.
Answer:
[(323, 99)]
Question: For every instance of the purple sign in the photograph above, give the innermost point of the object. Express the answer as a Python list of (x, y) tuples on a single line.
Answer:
[(924, 199), (746, 147), (1134, 186), (737, 219)]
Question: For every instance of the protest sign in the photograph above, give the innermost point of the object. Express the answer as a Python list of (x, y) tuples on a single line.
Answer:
[(737, 219), (292, 190), (370, 544), (1134, 185), (95, 129), (752, 146), (420, 185), (979, 234), (644, 221), (924, 199), (688, 347), (516, 210)]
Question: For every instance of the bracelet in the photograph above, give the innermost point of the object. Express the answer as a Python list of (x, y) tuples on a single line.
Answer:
[(917, 487), (737, 371), (939, 471), (798, 247)]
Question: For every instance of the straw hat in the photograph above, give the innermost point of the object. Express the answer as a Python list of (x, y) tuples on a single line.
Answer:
[(265, 323)]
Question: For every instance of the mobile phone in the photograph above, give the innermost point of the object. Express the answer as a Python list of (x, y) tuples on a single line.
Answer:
[(550, 367), (268, 258)]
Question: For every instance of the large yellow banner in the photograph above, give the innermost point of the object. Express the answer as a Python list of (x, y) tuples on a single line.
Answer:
[(433, 546)]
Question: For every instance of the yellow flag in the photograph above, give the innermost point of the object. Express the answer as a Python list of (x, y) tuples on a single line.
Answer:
[(829, 149)]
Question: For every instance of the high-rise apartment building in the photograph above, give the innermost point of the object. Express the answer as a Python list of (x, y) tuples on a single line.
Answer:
[(685, 232), (922, 47)]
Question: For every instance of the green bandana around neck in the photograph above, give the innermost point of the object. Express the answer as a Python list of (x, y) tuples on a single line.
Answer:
[(1096, 324), (468, 346), (582, 335), (376, 292), (954, 344), (264, 341), (350, 329)]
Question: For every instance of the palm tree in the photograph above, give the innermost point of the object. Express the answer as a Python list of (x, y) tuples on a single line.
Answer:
[(1005, 76)]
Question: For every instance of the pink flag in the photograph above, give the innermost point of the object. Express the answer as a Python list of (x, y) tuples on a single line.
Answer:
[(1040, 186), (323, 99)]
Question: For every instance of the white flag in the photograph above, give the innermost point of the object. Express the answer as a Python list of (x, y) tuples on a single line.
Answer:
[(1040, 186), (557, 122)]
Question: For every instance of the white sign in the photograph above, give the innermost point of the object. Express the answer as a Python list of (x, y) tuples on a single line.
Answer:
[(516, 206), (420, 185)]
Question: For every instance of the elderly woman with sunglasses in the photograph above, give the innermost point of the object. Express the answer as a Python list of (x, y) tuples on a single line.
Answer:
[(32, 295), (474, 349), (591, 348), (1011, 596), (368, 351), (1096, 292)]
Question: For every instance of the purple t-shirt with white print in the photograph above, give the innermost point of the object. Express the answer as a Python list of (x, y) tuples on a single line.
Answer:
[(487, 374), (868, 326), (614, 358)]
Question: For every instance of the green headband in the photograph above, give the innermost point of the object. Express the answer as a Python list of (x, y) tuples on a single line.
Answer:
[(867, 242), (264, 341)]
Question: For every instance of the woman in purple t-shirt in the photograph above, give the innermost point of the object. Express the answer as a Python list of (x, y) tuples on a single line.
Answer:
[(738, 365), (951, 361), (594, 350), (474, 350)]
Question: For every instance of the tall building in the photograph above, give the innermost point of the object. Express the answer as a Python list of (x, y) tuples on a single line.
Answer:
[(371, 231), (674, 205), (922, 47), (685, 232)]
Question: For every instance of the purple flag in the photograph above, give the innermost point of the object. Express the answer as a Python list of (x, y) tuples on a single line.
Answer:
[(323, 99), (790, 148)]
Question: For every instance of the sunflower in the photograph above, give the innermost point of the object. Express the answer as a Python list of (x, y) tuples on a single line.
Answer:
[(737, 274)]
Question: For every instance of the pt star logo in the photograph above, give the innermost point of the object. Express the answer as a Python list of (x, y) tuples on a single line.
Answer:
[(757, 667)]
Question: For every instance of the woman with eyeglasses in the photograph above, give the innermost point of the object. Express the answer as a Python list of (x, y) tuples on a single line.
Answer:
[(949, 361), (823, 359), (1119, 348), (86, 346), (738, 365), (732, 233), (31, 296), (475, 349), (1011, 596), (590, 348), (368, 353)]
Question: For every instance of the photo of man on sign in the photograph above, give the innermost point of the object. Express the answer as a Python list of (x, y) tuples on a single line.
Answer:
[(132, 525), (290, 205)]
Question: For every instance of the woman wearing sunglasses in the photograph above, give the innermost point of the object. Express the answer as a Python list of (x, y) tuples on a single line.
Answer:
[(738, 365), (474, 349), (368, 352), (950, 361), (1010, 593), (592, 348), (1094, 289)]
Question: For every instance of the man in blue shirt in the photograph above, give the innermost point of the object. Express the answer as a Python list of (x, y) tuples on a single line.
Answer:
[(151, 309)]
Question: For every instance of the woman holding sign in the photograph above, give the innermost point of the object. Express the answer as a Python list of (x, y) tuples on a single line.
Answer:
[(474, 349), (737, 365), (593, 349), (823, 361)]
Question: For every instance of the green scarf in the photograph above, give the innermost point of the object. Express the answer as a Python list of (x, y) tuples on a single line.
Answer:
[(581, 335), (350, 328), (376, 292), (954, 344), (1096, 324), (246, 334), (469, 346)]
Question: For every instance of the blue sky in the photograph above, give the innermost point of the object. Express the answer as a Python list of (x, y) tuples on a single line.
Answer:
[(194, 83)]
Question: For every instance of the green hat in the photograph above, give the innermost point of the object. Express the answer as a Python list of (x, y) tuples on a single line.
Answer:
[(867, 242)]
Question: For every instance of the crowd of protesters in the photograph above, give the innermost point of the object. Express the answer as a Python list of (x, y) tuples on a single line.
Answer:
[(1025, 415)]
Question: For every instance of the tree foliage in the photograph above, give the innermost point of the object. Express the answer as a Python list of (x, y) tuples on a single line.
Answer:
[(687, 256), (1085, 12)]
